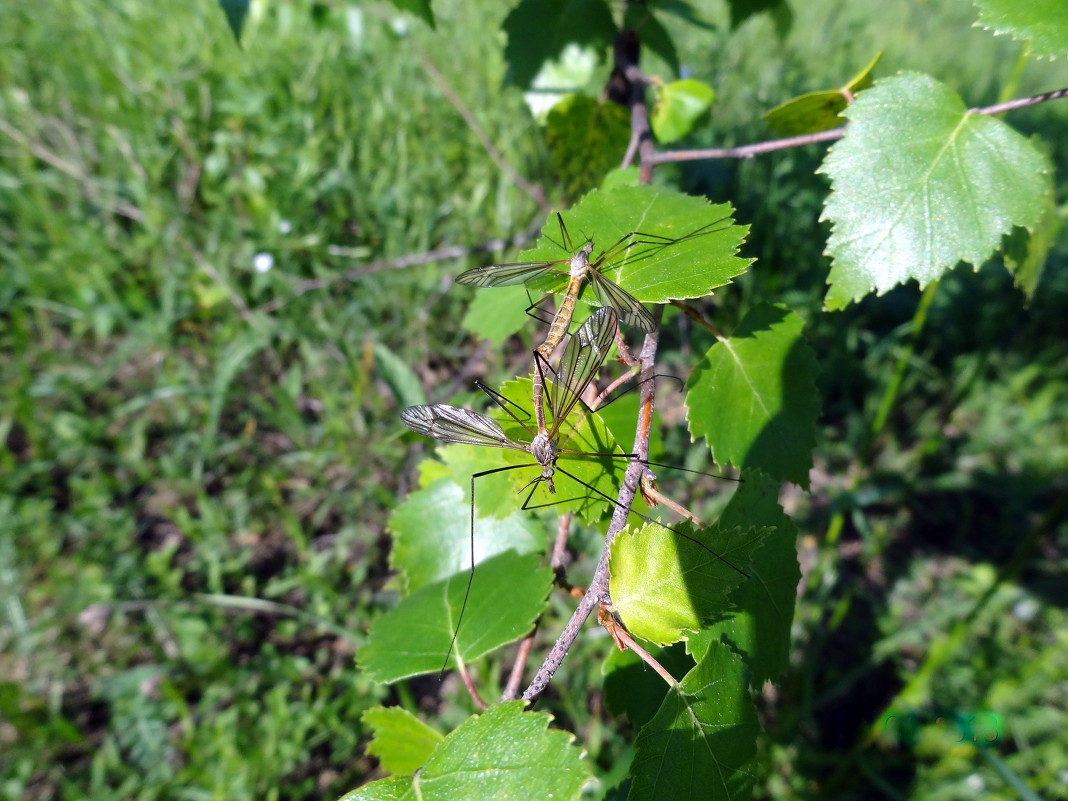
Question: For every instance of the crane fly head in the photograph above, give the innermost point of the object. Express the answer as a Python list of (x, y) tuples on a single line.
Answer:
[(580, 261)]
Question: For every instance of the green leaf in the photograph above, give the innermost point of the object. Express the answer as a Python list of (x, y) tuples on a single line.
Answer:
[(702, 742), (778, 10), (1042, 23), (702, 258), (420, 8), (678, 107), (586, 139), (920, 183), (808, 113), (401, 742), (426, 553), (1026, 253), (507, 595), (504, 492), (504, 753), (864, 79), (623, 176), (753, 397), (499, 314), (758, 627), (399, 377), (539, 30), (664, 585), (818, 111), (652, 34), (236, 11)]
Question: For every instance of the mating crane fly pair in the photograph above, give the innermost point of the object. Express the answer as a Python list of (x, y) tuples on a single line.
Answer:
[(582, 359)]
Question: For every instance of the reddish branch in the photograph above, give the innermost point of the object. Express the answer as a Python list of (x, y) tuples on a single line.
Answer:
[(597, 593), (748, 151)]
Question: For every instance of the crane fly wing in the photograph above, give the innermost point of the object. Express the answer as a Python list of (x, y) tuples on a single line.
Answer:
[(630, 310), (583, 356), (452, 424), (507, 274)]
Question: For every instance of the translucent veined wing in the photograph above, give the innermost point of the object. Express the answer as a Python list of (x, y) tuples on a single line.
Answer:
[(508, 274), (583, 356), (628, 308), (453, 424)]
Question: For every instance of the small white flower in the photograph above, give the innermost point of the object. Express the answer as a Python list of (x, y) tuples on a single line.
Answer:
[(1025, 609), (262, 262), (284, 226), (975, 782)]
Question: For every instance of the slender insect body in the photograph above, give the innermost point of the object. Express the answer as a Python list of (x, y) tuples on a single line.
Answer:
[(543, 449)]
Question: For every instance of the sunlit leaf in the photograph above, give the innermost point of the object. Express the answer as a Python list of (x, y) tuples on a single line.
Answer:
[(507, 595), (1043, 24), (679, 105), (401, 742), (818, 111), (664, 585), (920, 183), (698, 254), (753, 397), (426, 553), (504, 753), (498, 314)]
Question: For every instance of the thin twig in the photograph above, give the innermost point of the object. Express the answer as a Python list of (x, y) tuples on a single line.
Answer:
[(748, 151), (646, 657), (411, 260), (535, 192), (1021, 102), (624, 641), (597, 593), (652, 496), (556, 562), (511, 689), (616, 384), (461, 668), (75, 171), (698, 318)]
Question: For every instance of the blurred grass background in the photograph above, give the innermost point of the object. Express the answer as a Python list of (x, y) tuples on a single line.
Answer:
[(199, 456)]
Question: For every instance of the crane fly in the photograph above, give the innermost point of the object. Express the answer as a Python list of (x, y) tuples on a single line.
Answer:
[(583, 356), (580, 269)]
